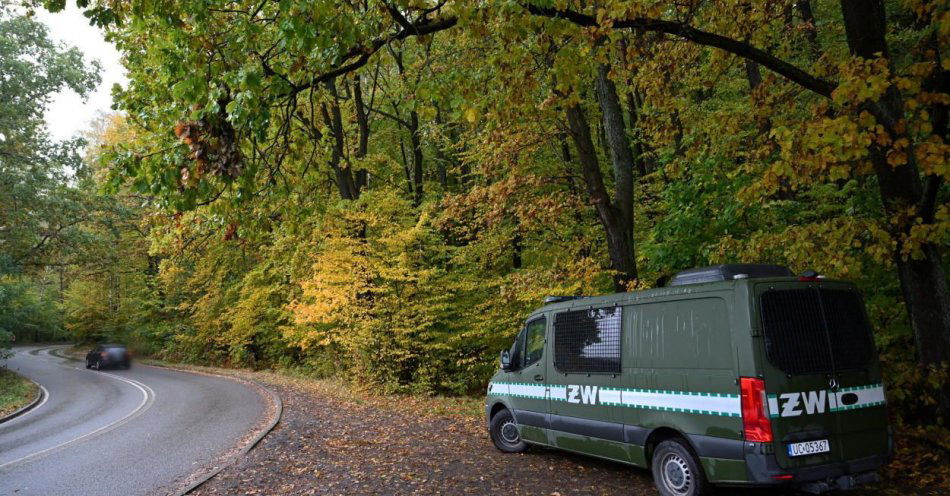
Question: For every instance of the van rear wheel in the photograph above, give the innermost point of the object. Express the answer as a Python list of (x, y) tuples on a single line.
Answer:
[(676, 470), (504, 433)]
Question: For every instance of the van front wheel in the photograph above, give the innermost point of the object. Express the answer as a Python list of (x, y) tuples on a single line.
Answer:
[(504, 433), (676, 470)]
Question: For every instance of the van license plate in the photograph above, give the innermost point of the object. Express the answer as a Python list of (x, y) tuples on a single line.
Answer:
[(809, 448)]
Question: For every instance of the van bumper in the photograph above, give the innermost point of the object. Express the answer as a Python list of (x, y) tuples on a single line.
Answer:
[(763, 469)]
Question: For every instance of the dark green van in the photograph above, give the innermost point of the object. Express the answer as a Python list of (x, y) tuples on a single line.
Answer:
[(733, 375)]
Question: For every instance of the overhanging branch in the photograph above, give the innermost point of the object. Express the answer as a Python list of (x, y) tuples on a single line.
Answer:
[(705, 38), (362, 53)]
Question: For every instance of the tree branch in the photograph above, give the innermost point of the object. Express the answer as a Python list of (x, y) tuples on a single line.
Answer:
[(402, 122), (705, 38), (362, 53)]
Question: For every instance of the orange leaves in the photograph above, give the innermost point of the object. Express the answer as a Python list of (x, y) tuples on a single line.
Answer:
[(825, 149), (835, 247), (920, 233), (862, 81), (214, 149), (933, 156), (895, 155)]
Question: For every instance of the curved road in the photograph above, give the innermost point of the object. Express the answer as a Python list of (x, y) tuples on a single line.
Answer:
[(128, 432)]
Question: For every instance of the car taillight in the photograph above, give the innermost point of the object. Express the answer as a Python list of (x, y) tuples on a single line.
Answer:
[(103, 354), (755, 420)]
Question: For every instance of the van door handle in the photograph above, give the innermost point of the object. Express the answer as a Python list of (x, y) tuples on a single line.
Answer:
[(539, 377)]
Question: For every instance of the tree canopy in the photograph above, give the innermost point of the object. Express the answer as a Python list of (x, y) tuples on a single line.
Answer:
[(40, 211), (386, 188)]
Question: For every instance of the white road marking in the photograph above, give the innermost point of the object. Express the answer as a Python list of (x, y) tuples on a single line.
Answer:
[(148, 397)]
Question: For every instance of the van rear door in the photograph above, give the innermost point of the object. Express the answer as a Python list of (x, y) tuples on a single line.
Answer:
[(822, 380)]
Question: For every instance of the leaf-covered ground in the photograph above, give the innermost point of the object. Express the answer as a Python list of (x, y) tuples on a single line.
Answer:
[(15, 391), (325, 445), (334, 441)]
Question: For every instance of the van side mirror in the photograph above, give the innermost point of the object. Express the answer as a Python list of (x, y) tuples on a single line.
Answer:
[(505, 360)]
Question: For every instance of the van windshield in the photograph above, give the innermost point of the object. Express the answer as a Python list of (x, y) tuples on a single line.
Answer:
[(815, 330)]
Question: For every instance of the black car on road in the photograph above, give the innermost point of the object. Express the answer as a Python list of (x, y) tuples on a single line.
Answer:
[(109, 355)]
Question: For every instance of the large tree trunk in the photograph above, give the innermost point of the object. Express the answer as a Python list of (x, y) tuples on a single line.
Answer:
[(611, 217), (621, 158), (343, 174), (923, 281)]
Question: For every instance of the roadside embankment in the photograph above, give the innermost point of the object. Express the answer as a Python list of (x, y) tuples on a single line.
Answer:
[(16, 392)]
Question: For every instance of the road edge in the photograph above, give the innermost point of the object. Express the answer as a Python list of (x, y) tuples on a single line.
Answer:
[(248, 446), (40, 394)]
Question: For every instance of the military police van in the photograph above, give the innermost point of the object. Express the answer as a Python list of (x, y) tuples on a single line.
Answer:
[(733, 375)]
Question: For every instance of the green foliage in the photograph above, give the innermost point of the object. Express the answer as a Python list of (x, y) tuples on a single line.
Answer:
[(28, 312), (39, 210), (315, 186)]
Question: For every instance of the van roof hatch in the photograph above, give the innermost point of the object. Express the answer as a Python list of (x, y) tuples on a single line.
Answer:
[(727, 272)]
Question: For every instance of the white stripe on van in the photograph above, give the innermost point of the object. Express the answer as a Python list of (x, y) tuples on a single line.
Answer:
[(722, 404), (679, 401), (610, 396), (868, 396), (527, 390), (558, 393), (498, 388)]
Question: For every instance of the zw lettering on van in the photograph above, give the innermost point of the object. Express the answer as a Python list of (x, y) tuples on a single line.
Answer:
[(816, 402), (582, 394)]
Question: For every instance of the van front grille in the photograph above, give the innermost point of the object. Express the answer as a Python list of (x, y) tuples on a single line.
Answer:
[(814, 330)]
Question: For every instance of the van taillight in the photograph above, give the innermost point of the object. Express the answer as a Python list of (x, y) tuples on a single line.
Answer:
[(755, 420)]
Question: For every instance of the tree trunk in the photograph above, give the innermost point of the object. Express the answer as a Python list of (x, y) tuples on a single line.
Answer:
[(442, 158), (811, 31), (641, 151), (405, 162), (516, 248), (752, 74), (416, 142), (923, 281), (618, 242), (343, 175), (621, 158), (362, 122)]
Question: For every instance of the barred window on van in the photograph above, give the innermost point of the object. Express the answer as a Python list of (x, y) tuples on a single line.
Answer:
[(815, 331), (588, 341)]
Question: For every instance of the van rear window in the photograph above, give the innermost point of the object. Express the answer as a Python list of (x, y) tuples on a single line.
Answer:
[(812, 330), (588, 341)]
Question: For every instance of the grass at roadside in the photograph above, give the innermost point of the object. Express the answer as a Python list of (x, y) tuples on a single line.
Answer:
[(15, 391)]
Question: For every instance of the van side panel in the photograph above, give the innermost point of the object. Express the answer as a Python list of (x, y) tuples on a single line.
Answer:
[(679, 372)]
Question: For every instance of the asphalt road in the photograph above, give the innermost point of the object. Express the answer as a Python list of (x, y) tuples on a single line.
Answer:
[(121, 432)]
